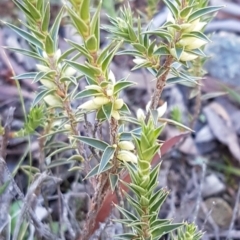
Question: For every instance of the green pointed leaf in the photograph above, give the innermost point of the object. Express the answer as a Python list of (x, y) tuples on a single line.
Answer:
[(82, 68), (160, 33), (27, 36), (161, 71), (81, 49), (113, 178), (95, 22), (126, 213), (79, 24), (107, 109), (150, 152), (125, 236), (33, 11), (109, 57), (23, 8), (173, 9), (46, 18), (85, 11), (198, 35), (170, 121), (201, 12), (41, 95), (151, 48), (139, 47), (186, 11), (160, 198), (160, 222), (124, 109), (162, 50), (132, 52), (144, 64), (55, 27), (212, 95), (105, 52), (106, 157), (158, 232), (42, 75), (29, 75), (119, 86), (87, 93), (101, 145), (27, 53)]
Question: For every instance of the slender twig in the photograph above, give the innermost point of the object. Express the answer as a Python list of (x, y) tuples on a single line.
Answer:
[(235, 212), (161, 81), (199, 197)]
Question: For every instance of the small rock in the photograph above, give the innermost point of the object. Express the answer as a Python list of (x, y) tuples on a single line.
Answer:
[(221, 212), (225, 58), (212, 185)]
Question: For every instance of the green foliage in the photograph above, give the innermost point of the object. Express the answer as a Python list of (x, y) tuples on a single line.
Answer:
[(167, 50)]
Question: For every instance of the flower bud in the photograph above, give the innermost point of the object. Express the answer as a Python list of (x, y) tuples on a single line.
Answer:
[(109, 92), (115, 114), (52, 100), (184, 56), (69, 72), (118, 104), (48, 83), (57, 54), (188, 57), (192, 42), (161, 110), (67, 126), (94, 87), (43, 68), (89, 105), (126, 145), (111, 77), (101, 101), (139, 60), (140, 115), (196, 25), (127, 156), (44, 54)]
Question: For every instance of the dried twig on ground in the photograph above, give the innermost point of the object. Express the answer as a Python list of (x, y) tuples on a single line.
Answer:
[(29, 201), (235, 213), (6, 194)]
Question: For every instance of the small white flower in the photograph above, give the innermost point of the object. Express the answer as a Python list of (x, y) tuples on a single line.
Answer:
[(47, 83), (148, 106), (101, 101), (161, 110), (115, 114), (57, 54), (196, 25), (184, 56), (140, 115), (43, 68), (127, 156), (111, 76), (89, 105), (192, 42), (139, 60), (70, 71), (126, 145), (118, 104), (45, 55), (52, 100), (188, 57), (94, 87)]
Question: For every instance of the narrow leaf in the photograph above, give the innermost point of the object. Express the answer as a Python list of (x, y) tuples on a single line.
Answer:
[(101, 145), (106, 157)]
